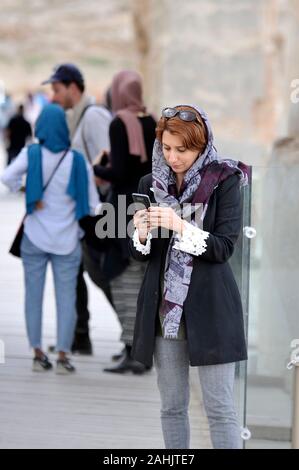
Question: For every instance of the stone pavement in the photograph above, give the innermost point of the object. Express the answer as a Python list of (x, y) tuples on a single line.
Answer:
[(90, 409)]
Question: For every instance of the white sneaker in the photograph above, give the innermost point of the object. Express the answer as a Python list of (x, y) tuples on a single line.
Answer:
[(64, 367), (41, 364)]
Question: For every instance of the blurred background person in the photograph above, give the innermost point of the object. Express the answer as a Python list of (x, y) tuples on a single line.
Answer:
[(89, 125), (88, 122), (32, 108), (7, 110), (60, 190), (17, 133), (132, 134)]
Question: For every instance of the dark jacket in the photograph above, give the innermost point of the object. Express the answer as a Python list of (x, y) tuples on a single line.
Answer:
[(125, 170), (212, 310)]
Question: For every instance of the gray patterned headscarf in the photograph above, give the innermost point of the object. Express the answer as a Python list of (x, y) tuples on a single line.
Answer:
[(179, 265)]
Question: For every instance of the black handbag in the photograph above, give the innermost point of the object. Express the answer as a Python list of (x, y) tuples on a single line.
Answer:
[(15, 248)]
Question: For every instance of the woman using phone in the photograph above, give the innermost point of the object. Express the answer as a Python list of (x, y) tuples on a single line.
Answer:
[(189, 310)]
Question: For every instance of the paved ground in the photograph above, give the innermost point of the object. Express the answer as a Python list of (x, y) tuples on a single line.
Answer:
[(89, 410)]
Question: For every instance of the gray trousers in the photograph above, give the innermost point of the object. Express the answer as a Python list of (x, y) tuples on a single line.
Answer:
[(125, 289), (217, 382)]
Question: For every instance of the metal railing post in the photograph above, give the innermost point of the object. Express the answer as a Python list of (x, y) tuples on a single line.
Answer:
[(295, 421), (295, 428)]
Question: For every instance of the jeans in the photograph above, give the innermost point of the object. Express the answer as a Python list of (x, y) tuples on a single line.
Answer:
[(65, 270), (217, 381)]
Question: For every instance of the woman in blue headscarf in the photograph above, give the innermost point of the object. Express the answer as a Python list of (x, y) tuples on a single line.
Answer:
[(60, 190)]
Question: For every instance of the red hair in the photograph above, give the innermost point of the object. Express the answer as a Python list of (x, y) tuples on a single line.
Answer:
[(193, 134)]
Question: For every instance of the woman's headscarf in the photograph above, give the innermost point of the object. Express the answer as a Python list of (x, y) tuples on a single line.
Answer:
[(199, 182), (52, 132), (51, 128), (127, 102)]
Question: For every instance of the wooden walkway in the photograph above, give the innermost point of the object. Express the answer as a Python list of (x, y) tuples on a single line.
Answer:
[(91, 409)]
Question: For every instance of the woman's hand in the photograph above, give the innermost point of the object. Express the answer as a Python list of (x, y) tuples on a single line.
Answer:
[(141, 222), (165, 217)]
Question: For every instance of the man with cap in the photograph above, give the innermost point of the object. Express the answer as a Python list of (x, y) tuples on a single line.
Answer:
[(89, 130)]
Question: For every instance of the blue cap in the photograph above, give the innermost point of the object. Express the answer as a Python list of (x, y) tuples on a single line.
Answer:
[(66, 73)]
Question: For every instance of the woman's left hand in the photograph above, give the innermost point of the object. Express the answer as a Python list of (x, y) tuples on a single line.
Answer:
[(165, 217)]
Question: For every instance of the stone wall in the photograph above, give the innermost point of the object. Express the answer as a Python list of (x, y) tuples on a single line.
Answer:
[(233, 58), (35, 35)]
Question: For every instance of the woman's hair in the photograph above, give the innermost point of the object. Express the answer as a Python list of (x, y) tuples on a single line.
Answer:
[(193, 134)]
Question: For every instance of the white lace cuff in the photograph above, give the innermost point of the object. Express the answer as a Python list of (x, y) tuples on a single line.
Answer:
[(144, 249), (193, 240)]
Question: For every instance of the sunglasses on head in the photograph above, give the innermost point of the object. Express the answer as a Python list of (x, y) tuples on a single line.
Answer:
[(184, 115)]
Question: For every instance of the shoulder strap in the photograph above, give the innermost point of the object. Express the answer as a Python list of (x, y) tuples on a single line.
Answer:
[(82, 132), (92, 105), (55, 169), (84, 111)]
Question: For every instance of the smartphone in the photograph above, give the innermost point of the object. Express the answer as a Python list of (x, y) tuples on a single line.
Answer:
[(141, 199)]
